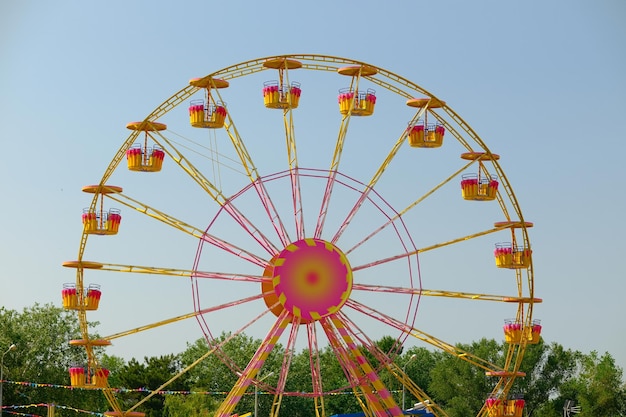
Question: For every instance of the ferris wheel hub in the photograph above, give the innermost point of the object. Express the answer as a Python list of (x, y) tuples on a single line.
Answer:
[(311, 279)]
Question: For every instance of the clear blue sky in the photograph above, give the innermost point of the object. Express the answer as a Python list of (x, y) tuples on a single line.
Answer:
[(542, 83)]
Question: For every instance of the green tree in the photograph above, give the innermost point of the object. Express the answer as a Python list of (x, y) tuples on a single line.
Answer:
[(43, 356), (115, 365), (547, 368), (334, 379), (391, 347), (460, 387), (141, 378), (599, 390), (218, 373), (419, 363), (196, 403), (299, 380)]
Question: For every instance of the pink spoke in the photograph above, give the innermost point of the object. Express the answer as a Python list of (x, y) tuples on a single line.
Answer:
[(351, 215), (314, 361), (270, 209), (386, 405), (350, 369), (255, 364), (286, 364), (385, 260), (243, 254), (371, 235), (321, 218), (361, 336), (228, 277), (250, 228), (211, 339), (387, 289), (230, 304), (377, 315), (298, 213)]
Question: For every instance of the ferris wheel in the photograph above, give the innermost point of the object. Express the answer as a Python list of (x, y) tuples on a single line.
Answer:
[(315, 202)]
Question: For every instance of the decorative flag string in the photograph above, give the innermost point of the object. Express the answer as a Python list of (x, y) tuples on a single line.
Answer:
[(162, 392), (10, 409)]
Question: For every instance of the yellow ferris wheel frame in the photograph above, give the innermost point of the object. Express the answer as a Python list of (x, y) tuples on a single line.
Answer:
[(425, 104)]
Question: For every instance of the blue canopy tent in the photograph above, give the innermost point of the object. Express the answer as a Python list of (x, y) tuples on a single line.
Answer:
[(411, 412)]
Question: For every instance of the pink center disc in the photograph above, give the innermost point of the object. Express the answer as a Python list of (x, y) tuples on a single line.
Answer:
[(312, 279)]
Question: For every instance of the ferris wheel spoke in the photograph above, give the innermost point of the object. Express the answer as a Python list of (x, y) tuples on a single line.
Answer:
[(315, 366), (298, 211), (217, 195), (414, 389), (361, 336), (292, 156), (431, 247), (391, 366), (423, 336), (186, 228), (321, 218), (347, 363), (211, 340), (185, 164), (178, 272), (175, 319), (285, 366), (465, 238), (445, 294), (370, 383), (336, 159), (256, 363), (415, 203), (256, 180), (210, 153), (377, 175), (215, 348), (250, 169)]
